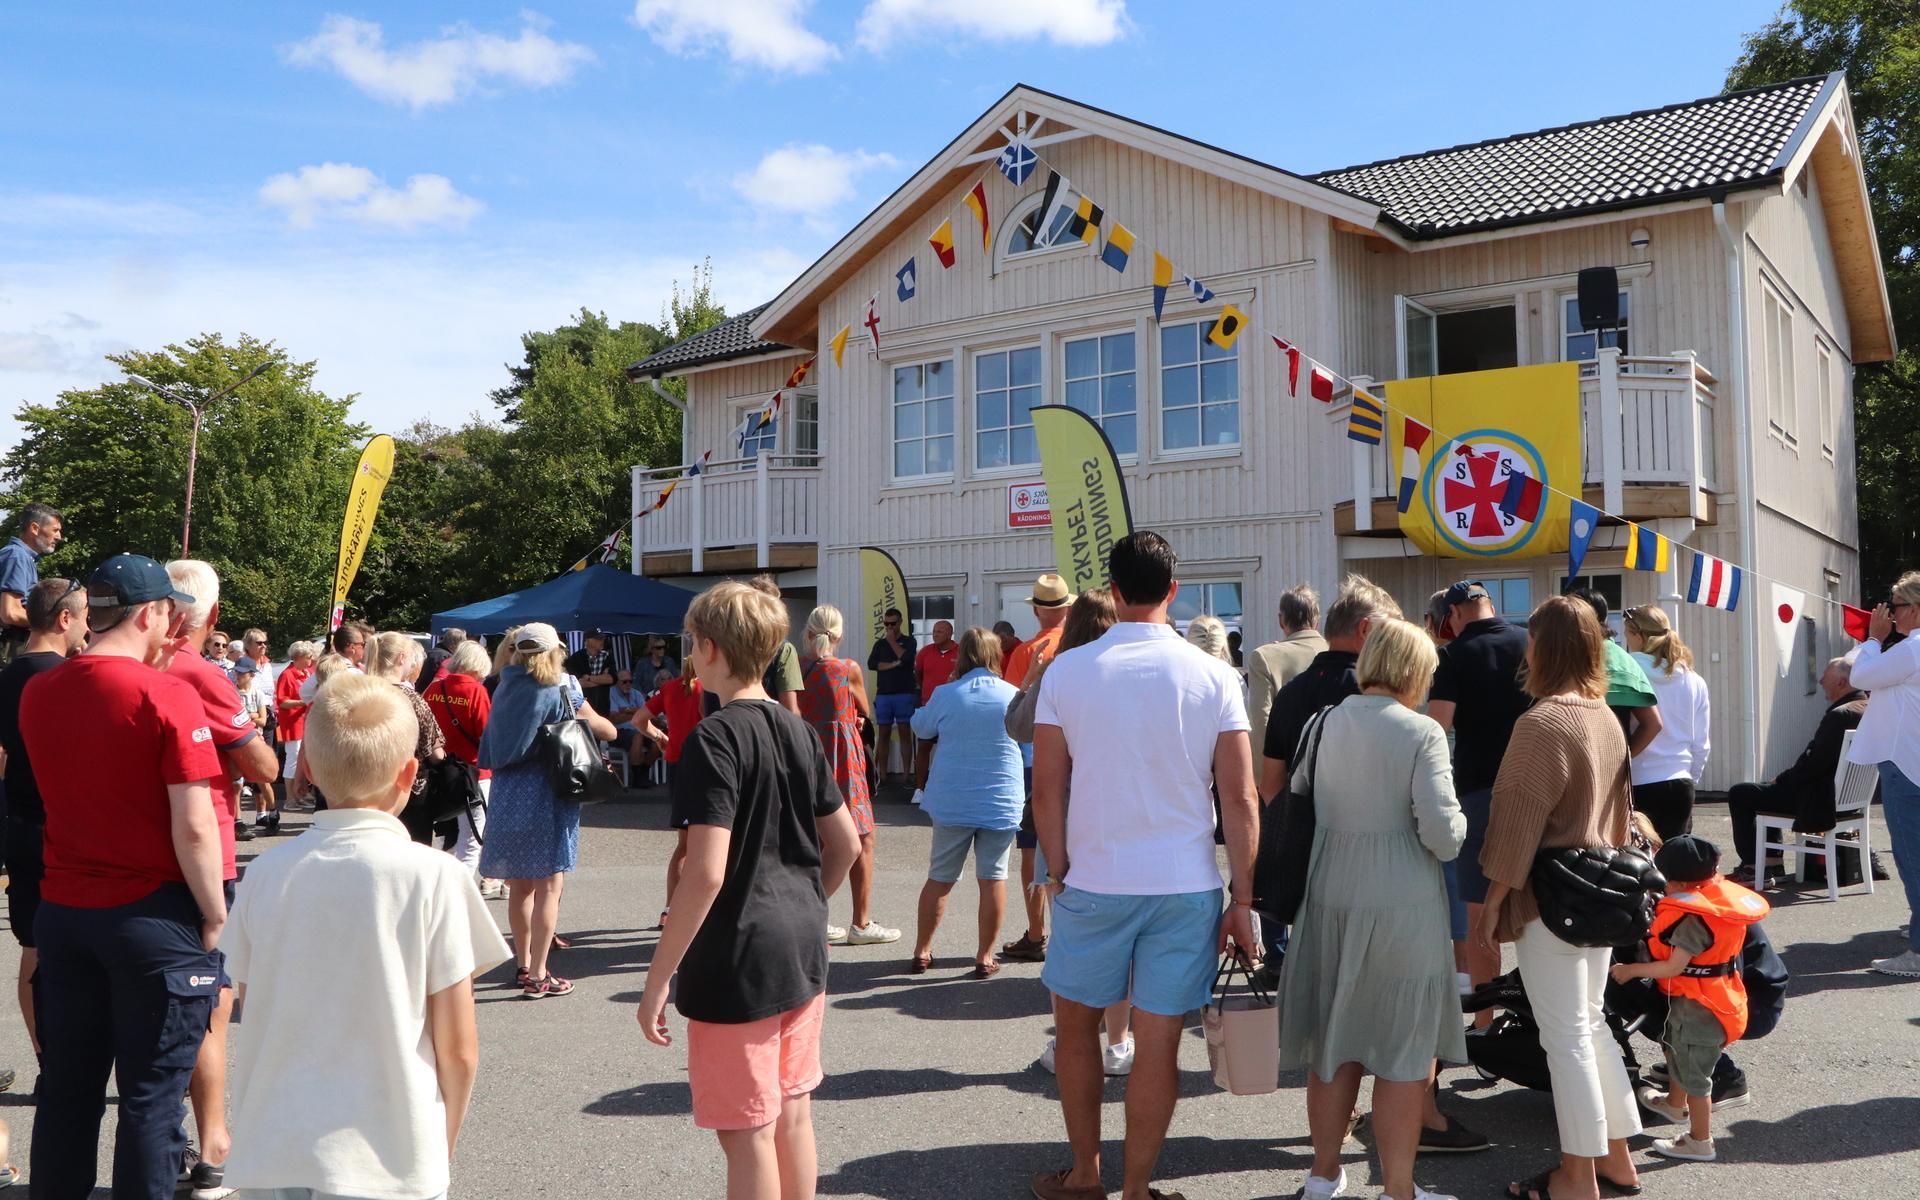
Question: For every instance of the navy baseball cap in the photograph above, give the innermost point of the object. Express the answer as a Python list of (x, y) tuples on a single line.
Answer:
[(1465, 590), (127, 579), (245, 666)]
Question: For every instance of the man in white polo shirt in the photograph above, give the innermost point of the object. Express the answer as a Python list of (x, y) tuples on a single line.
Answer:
[(1145, 726)]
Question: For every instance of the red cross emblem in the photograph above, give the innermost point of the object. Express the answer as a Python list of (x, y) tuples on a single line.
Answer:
[(1480, 493)]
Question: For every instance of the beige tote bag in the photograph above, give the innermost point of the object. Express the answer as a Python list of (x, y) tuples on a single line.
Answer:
[(1243, 1035)]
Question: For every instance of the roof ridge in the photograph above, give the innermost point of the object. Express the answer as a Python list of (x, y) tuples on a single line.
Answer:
[(1321, 177)]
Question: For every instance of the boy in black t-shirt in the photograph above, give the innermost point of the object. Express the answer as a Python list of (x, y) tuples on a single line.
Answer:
[(769, 838)]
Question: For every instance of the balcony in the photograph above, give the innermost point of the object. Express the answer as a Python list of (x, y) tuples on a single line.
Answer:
[(741, 514), (1648, 443)]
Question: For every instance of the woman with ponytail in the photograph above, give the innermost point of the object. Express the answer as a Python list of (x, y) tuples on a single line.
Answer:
[(834, 702), (1667, 771)]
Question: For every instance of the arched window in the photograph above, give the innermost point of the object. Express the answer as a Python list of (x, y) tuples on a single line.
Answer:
[(1026, 229)]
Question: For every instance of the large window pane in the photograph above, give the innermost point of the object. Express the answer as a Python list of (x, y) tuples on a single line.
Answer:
[(990, 449), (1100, 382), (1116, 353), (1120, 433), (1002, 410), (1083, 358), (1116, 393), (1182, 428), (923, 419), (1084, 394), (1026, 367), (1199, 390), (1176, 344), (1220, 425)]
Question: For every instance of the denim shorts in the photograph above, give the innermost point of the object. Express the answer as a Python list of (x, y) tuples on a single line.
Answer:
[(991, 849), (1476, 807), (1168, 946), (893, 708), (1456, 903)]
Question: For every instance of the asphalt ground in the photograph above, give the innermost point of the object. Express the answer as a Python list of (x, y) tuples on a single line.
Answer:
[(932, 1091)]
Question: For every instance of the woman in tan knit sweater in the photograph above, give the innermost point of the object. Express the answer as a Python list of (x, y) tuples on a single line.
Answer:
[(1564, 782)]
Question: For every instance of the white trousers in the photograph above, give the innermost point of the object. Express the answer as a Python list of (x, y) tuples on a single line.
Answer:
[(467, 848), (1592, 1097)]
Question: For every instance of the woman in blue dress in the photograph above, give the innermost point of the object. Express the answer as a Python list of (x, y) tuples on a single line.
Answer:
[(533, 837)]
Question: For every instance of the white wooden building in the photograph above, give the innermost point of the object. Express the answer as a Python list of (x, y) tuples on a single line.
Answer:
[(1721, 413)]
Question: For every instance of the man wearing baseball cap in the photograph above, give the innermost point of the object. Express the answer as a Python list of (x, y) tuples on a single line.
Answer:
[(131, 905)]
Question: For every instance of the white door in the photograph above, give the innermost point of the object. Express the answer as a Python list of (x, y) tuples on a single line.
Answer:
[(1417, 339)]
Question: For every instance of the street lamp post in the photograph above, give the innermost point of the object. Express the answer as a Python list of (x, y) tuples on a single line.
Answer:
[(197, 408)]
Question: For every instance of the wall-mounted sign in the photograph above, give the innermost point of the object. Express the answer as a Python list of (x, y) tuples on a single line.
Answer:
[(1027, 506)]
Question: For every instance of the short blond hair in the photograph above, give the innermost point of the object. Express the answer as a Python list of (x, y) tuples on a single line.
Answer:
[(1210, 635), (1360, 599), (744, 623), (359, 730), (1398, 656), (394, 656), (331, 665)]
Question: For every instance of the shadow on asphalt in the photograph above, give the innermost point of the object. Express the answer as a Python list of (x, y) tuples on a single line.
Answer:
[(946, 995), (1007, 1168), (594, 953), (1831, 966), (1833, 1132)]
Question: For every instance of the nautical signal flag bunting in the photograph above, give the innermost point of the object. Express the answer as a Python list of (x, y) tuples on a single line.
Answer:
[(1119, 247), (1716, 583), (1227, 327), (1524, 496), (942, 243), (1788, 604), (1367, 420), (1647, 550), (1413, 436)]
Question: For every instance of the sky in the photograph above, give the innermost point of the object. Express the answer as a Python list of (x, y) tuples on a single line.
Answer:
[(397, 191)]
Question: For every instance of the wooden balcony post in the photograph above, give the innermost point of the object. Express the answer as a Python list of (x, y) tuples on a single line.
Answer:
[(761, 508), (1612, 464), (698, 518), (1691, 399)]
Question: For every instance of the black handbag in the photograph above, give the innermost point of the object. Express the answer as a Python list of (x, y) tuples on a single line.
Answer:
[(1286, 843), (1595, 896), (453, 786), (570, 755)]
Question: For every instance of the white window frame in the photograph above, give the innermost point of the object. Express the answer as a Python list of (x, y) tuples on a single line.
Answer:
[(1021, 210), (922, 627), (753, 404), (1201, 327), (893, 438), (1140, 405), (973, 408), (1824, 360), (1569, 330), (791, 407), (1200, 583), (1776, 350)]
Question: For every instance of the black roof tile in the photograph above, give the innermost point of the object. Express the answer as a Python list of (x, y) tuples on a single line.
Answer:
[(1616, 162), (730, 339)]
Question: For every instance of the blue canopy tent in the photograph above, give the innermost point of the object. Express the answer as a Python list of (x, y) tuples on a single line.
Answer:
[(600, 597)]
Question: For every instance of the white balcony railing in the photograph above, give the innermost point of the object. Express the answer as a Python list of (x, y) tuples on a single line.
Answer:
[(760, 502), (1644, 421)]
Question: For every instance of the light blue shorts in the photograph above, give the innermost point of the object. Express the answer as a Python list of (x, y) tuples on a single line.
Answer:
[(990, 847), (1167, 946), (893, 708)]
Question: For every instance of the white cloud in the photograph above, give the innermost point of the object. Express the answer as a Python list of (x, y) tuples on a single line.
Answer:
[(767, 33), (1063, 22), (32, 352), (438, 70), (810, 181), (355, 193)]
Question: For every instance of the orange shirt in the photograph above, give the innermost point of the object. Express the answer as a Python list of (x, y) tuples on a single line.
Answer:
[(1041, 644)]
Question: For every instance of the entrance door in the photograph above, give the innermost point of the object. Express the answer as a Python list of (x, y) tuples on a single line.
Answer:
[(1418, 339)]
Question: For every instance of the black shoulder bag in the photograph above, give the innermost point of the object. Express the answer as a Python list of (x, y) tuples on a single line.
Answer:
[(571, 757), (1599, 896), (1286, 837), (453, 785)]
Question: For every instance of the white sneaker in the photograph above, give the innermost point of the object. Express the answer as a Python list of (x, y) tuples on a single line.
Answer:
[(917, 794), (1324, 1189), (836, 934), (1906, 966), (873, 933), (1046, 1058), (1466, 989), (493, 889), (1420, 1193), (1118, 1060), (1684, 1147)]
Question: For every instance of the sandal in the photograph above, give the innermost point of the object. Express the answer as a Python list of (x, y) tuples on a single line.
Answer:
[(921, 964), (552, 985), (984, 970), (1532, 1189), (1052, 1185), (560, 943), (1609, 1188)]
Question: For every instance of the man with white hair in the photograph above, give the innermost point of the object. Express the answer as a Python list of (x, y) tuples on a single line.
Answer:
[(1804, 791), (243, 754)]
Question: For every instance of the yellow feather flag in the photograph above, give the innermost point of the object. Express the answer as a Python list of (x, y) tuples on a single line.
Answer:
[(839, 343)]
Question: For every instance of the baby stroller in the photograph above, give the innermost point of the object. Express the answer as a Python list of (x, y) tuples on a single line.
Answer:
[(1509, 1048)]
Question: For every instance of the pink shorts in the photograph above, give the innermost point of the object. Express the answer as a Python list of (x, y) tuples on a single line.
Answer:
[(742, 1074)]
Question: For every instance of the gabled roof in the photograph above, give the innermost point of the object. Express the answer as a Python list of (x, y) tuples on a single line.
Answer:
[(730, 339), (1738, 140)]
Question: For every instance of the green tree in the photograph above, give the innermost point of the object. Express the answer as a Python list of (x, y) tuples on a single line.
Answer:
[(418, 563), (1877, 44), (274, 462)]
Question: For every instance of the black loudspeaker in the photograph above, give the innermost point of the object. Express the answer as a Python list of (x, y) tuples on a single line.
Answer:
[(1599, 298)]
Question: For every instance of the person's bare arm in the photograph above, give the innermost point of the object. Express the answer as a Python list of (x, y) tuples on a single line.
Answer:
[(1667, 968), (13, 610), (1646, 726), (1240, 822), (1052, 768), (253, 762), (839, 846), (599, 725), (1485, 931), (791, 702), (1273, 778), (861, 700), (1442, 713), (456, 1051), (196, 845), (700, 879)]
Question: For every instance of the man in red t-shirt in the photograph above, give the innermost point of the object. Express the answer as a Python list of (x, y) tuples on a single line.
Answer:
[(933, 666), (245, 754), (131, 904)]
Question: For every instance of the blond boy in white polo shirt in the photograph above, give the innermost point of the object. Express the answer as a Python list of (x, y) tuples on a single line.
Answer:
[(354, 920)]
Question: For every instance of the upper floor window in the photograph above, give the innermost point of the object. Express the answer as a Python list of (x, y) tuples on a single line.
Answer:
[(923, 420), (1025, 238), (1829, 387), (758, 438), (1100, 383), (1581, 344), (1199, 389), (1776, 365), (805, 407), (1006, 386)]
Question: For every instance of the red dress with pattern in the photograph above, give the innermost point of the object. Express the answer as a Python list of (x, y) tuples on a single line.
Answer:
[(828, 706)]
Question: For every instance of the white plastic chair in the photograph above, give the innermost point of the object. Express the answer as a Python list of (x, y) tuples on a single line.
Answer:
[(617, 759), (1853, 787)]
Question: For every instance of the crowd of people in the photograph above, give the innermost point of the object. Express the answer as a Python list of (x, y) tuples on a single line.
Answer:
[(1120, 754)]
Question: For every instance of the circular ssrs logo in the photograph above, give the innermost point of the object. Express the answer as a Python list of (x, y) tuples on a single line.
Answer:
[(1464, 484)]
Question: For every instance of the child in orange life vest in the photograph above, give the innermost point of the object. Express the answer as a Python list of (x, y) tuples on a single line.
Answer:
[(1699, 930)]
